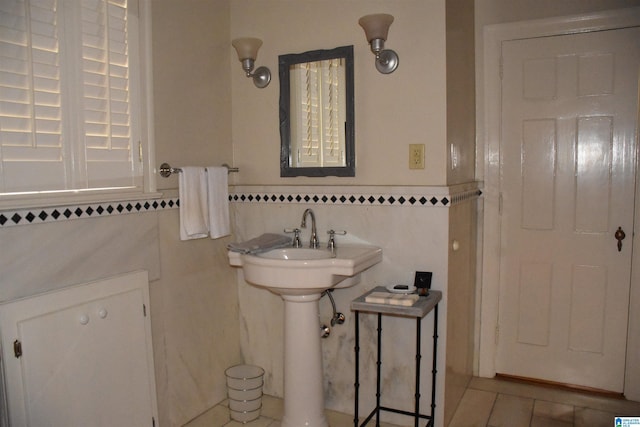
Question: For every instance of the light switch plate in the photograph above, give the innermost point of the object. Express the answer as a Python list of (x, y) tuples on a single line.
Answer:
[(416, 156)]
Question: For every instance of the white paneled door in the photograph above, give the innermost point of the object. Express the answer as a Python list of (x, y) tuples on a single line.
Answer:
[(568, 153)]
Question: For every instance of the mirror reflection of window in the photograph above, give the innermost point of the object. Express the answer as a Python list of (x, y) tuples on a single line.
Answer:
[(318, 113)]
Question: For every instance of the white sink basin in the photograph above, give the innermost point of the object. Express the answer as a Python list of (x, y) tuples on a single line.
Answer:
[(299, 254), (303, 271)]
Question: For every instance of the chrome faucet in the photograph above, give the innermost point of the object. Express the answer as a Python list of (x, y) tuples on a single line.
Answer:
[(313, 243)]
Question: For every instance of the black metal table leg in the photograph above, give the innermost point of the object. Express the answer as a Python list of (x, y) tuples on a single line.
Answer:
[(418, 357), (379, 365), (357, 361), (433, 369)]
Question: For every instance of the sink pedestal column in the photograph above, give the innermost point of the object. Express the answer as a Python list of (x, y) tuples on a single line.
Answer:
[(303, 379)]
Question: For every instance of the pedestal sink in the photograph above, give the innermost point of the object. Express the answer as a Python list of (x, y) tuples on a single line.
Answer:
[(299, 276)]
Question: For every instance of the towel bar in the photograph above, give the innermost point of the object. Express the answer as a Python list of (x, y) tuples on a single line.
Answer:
[(166, 170)]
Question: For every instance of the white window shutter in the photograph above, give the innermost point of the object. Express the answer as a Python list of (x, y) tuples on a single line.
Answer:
[(106, 96), (65, 96), (332, 152), (30, 96)]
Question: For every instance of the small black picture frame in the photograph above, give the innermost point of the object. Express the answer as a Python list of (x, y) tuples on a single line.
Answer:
[(423, 279)]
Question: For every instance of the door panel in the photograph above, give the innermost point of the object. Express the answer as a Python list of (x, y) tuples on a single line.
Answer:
[(568, 119)]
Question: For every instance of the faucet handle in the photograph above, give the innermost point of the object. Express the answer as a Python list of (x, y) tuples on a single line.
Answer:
[(332, 241), (296, 236)]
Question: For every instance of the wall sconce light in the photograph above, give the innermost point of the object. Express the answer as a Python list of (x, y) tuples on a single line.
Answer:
[(376, 27), (247, 49)]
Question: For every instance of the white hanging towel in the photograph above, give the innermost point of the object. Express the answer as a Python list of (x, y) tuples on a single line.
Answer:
[(218, 201), (194, 215)]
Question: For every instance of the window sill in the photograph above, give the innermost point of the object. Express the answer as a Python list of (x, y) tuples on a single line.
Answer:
[(55, 199)]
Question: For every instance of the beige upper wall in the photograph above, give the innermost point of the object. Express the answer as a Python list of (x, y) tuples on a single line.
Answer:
[(461, 141), (198, 123), (191, 81), (391, 111)]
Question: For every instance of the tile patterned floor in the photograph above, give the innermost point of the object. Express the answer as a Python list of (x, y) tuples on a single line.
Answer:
[(486, 403), (270, 416), (496, 403)]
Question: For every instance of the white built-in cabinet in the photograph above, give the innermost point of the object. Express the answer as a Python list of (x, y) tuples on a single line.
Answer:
[(80, 356)]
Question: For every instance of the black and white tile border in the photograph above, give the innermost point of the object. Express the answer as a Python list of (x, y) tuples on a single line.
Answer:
[(360, 199), (95, 210), (64, 213)]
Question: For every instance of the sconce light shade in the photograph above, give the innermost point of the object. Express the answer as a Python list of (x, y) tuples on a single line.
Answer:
[(247, 49), (376, 28)]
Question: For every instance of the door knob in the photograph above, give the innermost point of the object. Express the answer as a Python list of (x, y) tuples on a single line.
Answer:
[(619, 235)]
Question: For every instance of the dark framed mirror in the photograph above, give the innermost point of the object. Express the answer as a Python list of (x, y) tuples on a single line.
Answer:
[(317, 113)]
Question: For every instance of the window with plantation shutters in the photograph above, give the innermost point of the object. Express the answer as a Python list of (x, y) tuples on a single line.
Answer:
[(69, 113)]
